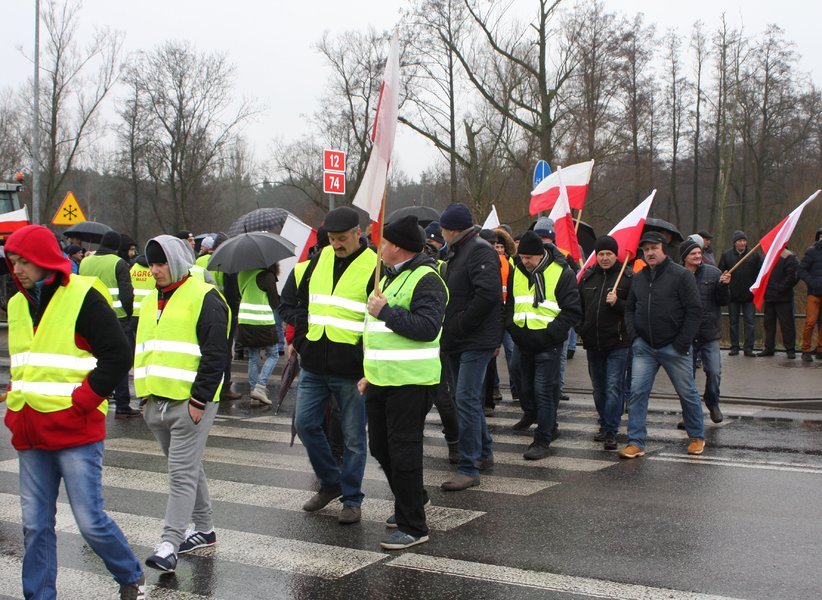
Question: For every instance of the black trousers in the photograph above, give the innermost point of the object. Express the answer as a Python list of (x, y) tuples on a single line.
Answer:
[(444, 401), (122, 394), (782, 312), (396, 419)]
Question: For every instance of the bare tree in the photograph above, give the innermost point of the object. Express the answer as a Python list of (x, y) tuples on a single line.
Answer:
[(699, 46), (12, 151), (676, 104)]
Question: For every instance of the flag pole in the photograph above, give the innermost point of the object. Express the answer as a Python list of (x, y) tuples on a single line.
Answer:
[(741, 260), (622, 270), (378, 268), (579, 219)]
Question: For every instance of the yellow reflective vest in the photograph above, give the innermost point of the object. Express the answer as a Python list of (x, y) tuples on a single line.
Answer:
[(143, 282), (254, 306), (526, 315), (103, 266)]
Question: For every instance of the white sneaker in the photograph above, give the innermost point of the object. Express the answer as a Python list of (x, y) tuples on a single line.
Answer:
[(260, 394)]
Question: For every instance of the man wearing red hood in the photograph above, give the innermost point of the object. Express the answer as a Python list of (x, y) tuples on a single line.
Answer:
[(67, 354)]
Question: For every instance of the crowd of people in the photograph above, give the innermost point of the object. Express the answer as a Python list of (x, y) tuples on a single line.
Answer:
[(378, 346)]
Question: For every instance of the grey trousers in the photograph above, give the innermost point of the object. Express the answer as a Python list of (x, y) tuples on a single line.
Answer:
[(183, 442)]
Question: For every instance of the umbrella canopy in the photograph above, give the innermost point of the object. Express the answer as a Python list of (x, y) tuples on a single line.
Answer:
[(664, 227), (262, 219), (88, 231), (255, 250), (424, 214)]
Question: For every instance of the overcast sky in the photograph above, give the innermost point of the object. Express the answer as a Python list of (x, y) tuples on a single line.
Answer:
[(271, 43)]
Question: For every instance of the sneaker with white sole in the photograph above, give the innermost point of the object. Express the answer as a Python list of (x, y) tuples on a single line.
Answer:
[(197, 539), (164, 558), (400, 541)]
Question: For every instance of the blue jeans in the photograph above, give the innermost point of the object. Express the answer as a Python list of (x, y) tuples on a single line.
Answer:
[(278, 323), (81, 470), (312, 398), (712, 365), (466, 372), (748, 316), (607, 372), (256, 376), (680, 370), (513, 374), (539, 388), (563, 360)]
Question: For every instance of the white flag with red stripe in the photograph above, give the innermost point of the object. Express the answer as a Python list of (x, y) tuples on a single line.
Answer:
[(14, 220), (773, 244), (627, 233), (304, 237), (576, 179), (372, 188), (565, 234)]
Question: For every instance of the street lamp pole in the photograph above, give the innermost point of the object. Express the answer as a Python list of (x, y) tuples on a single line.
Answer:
[(35, 133)]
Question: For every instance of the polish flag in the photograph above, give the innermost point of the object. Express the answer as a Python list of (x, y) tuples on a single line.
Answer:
[(773, 244), (14, 220), (492, 221), (304, 237), (575, 177), (565, 234), (627, 233), (370, 194)]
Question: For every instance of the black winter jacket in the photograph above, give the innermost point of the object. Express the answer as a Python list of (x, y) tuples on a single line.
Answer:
[(567, 296), (713, 296), (744, 277), (663, 306), (603, 325), (810, 269), (323, 356), (783, 279), (473, 317)]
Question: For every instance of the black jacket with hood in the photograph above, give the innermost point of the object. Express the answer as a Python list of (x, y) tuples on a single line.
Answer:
[(744, 276), (810, 269), (713, 296), (783, 279), (603, 326), (567, 297)]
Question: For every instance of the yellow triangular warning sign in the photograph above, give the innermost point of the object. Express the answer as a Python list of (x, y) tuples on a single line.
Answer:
[(69, 212)]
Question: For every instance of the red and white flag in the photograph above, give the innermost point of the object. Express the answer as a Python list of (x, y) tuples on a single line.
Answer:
[(492, 221), (565, 234), (575, 177), (627, 233), (372, 188), (14, 220), (304, 237), (773, 244)]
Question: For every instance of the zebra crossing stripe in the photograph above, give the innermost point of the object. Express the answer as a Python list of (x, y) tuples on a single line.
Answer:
[(718, 461), (78, 585), (286, 462), (564, 463), (440, 518), (568, 584), (256, 550)]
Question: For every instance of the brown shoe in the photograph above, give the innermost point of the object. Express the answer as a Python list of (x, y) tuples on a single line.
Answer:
[(460, 482), (349, 515), (631, 451), (228, 394), (696, 446)]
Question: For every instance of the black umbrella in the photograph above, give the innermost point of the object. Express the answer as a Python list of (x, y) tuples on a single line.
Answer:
[(262, 219), (255, 250), (424, 214), (290, 372), (665, 227), (88, 231)]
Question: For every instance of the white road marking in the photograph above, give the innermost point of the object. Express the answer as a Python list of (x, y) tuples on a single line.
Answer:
[(582, 586), (718, 461)]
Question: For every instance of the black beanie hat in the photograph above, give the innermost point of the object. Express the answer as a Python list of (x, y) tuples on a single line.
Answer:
[(531, 243), (110, 240), (433, 231), (405, 233), (686, 247), (456, 217), (155, 253), (739, 235), (606, 242)]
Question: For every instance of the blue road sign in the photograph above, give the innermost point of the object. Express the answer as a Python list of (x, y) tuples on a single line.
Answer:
[(541, 171)]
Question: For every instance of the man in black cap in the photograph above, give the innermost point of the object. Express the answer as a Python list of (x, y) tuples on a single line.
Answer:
[(662, 316), (741, 296), (113, 271), (434, 242), (541, 307), (603, 335), (708, 257), (328, 317), (472, 331), (714, 294), (402, 371)]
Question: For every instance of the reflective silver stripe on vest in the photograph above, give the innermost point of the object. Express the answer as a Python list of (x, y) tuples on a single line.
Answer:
[(533, 317), (359, 307), (165, 372), (255, 316), (44, 388), (58, 361), (247, 306), (374, 326), (168, 346), (142, 292), (530, 300), (413, 354), (340, 323)]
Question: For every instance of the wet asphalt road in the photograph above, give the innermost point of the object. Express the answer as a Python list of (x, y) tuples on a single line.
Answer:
[(740, 522)]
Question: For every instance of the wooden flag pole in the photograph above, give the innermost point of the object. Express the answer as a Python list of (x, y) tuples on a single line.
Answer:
[(622, 270), (579, 219), (378, 268), (741, 260)]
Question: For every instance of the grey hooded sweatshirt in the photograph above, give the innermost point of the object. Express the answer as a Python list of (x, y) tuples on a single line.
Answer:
[(212, 325)]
